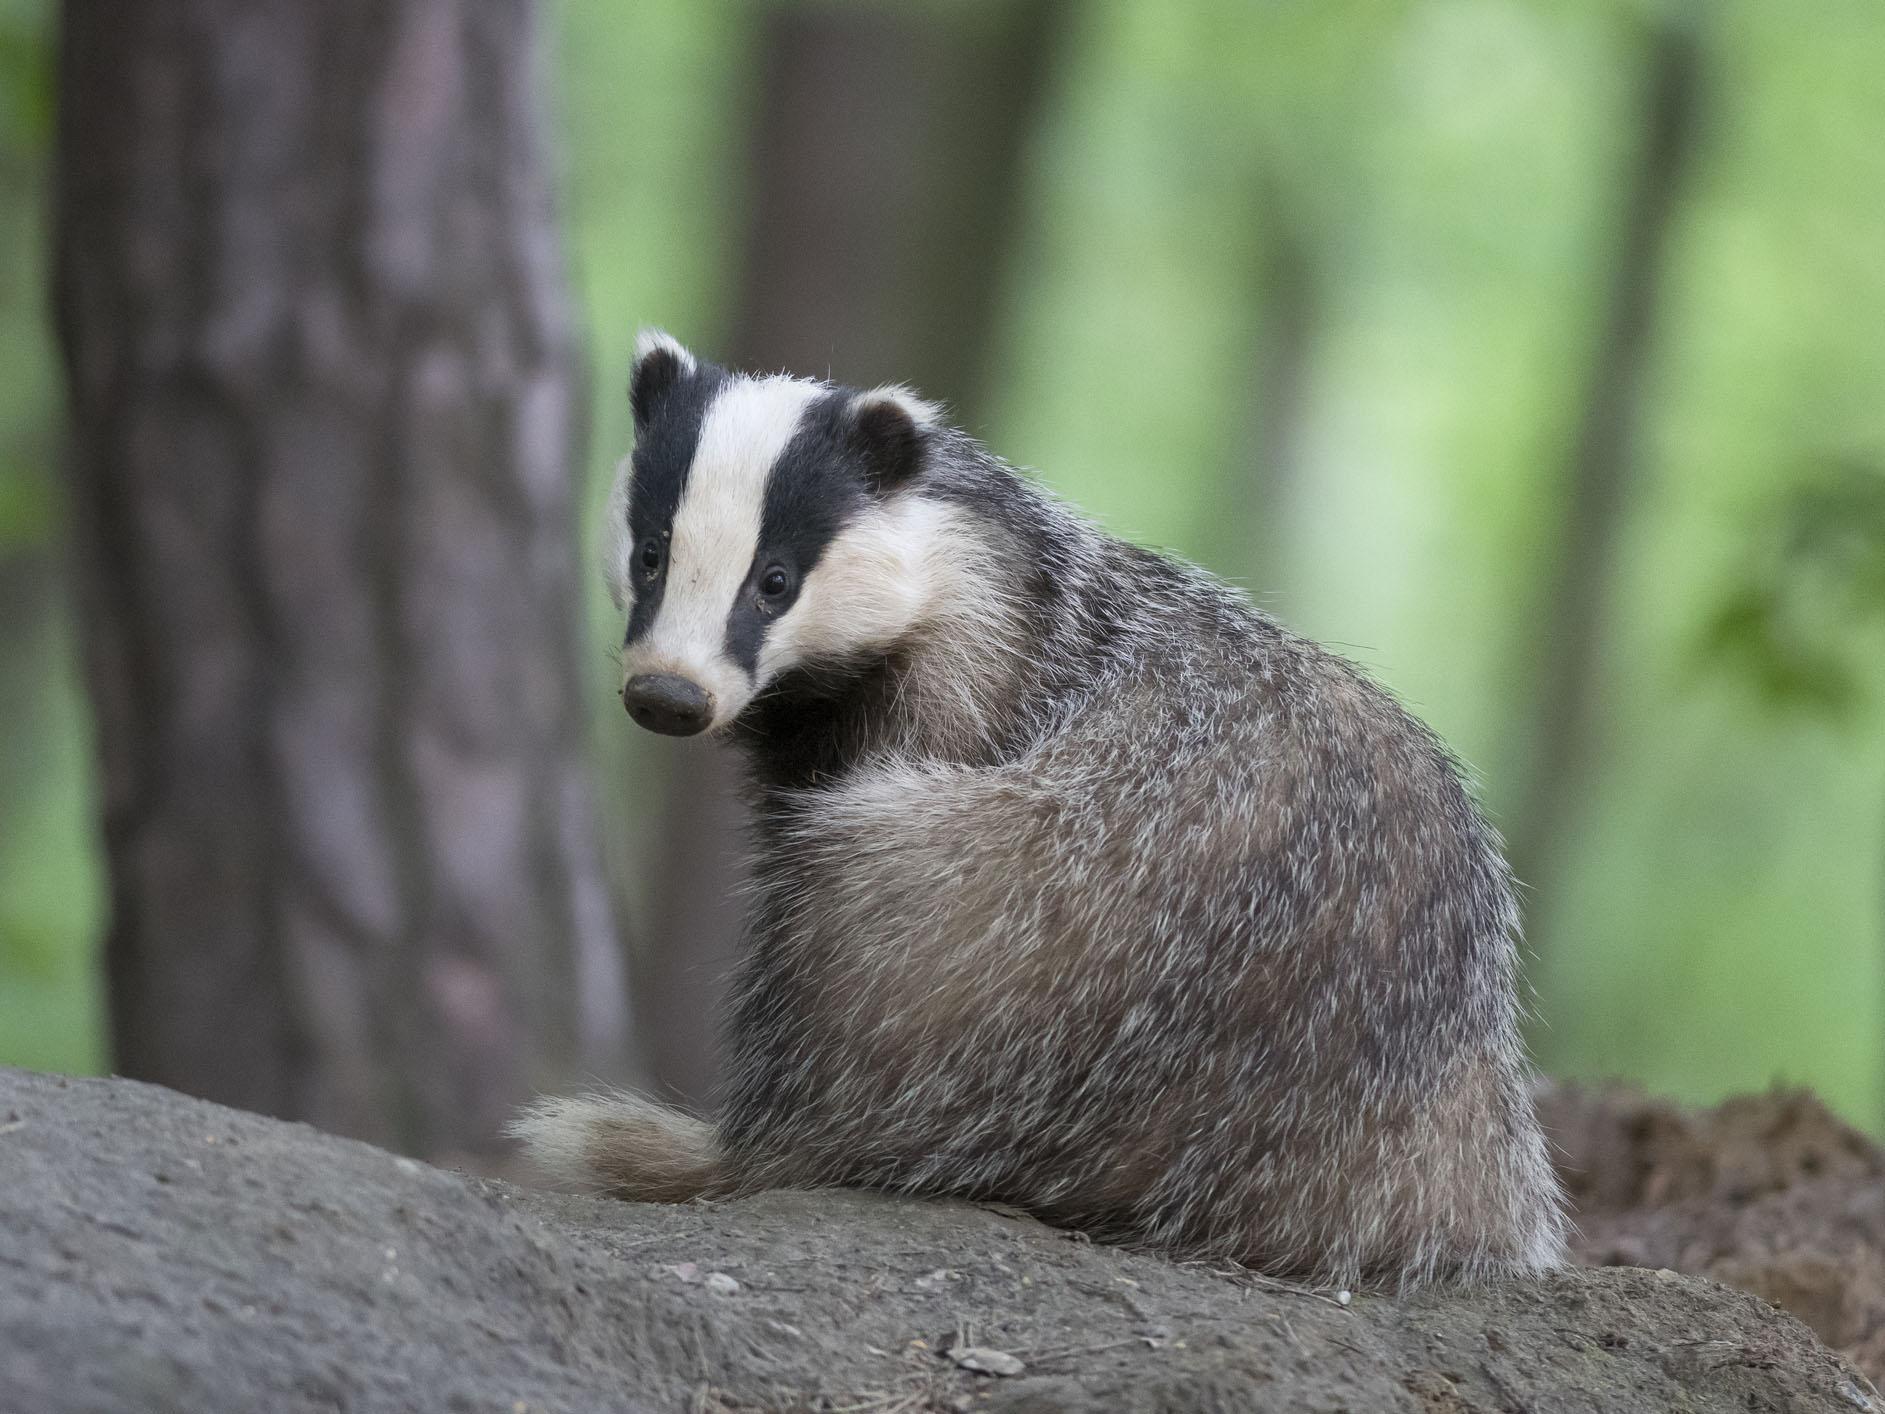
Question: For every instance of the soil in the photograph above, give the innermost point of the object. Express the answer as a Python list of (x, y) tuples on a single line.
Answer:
[(1770, 1193), (162, 1254)]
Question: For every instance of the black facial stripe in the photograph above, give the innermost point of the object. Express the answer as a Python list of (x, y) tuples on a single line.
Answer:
[(812, 491), (664, 454)]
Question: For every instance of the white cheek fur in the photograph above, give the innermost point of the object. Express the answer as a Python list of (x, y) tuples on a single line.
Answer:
[(903, 565)]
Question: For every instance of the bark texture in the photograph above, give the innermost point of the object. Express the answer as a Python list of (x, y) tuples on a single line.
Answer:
[(310, 295)]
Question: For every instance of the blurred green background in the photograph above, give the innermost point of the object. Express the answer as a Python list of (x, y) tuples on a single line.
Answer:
[(1443, 186)]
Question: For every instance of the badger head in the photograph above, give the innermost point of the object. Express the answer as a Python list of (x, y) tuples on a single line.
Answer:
[(761, 525)]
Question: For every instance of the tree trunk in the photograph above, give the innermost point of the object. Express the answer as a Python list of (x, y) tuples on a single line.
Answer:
[(1603, 455), (886, 162), (1245, 537), (886, 166), (310, 295)]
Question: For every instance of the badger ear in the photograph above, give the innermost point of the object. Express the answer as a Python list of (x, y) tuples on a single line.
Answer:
[(660, 363), (891, 427)]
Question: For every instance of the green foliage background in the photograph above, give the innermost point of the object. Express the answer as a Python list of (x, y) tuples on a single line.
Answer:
[(1716, 918)]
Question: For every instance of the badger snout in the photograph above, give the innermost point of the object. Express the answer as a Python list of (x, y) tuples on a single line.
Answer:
[(667, 703)]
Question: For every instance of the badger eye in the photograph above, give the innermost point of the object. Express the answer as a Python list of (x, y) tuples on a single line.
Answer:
[(651, 555), (775, 581)]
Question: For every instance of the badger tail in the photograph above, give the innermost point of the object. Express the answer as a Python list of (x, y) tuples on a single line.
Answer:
[(623, 1145)]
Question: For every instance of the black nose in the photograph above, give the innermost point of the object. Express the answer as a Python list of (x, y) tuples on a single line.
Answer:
[(667, 703)]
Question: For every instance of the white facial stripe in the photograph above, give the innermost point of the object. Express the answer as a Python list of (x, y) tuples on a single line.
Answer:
[(716, 534)]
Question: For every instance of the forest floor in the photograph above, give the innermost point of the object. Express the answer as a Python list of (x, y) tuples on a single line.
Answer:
[(160, 1253), (1770, 1193)]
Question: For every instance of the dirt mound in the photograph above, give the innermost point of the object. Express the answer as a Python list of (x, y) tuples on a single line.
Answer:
[(162, 1254), (1771, 1193)]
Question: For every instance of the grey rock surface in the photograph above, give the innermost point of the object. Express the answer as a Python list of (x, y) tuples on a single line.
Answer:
[(162, 1254)]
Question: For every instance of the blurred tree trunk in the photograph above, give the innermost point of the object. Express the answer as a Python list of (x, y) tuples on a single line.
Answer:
[(886, 164), (1246, 535), (310, 294), (1603, 456)]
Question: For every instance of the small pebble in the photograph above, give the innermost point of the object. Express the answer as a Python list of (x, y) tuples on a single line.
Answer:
[(986, 1361)]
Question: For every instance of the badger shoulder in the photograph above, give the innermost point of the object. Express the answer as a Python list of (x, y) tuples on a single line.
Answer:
[(1198, 676), (1209, 752)]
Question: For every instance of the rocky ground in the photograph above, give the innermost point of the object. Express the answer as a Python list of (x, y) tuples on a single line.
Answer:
[(158, 1254)]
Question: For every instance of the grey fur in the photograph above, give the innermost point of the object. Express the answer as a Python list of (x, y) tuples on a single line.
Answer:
[(1104, 895)]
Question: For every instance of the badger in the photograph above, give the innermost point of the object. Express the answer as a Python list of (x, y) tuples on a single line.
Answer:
[(1079, 884)]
